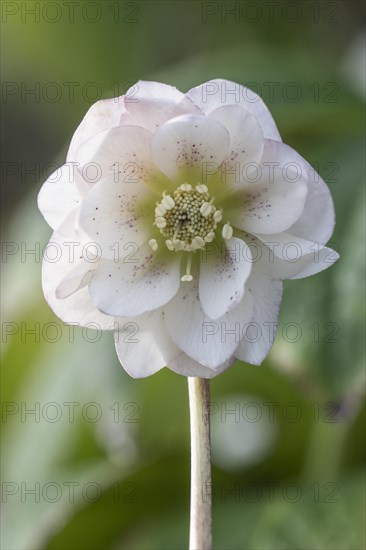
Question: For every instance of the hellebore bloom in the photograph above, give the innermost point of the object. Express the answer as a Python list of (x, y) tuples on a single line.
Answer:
[(175, 218)]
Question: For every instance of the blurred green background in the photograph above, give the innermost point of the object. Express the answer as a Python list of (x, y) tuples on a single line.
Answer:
[(103, 460)]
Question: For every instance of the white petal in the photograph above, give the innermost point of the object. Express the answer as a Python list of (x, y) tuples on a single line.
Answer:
[(317, 221), (62, 256), (76, 279), (143, 345), (295, 258), (122, 153), (103, 115), (216, 93), (150, 104), (111, 214), (281, 158), (188, 142), (61, 193), (186, 366), (272, 195), (266, 207), (246, 140), (258, 339), (143, 283), (208, 342), (225, 266)]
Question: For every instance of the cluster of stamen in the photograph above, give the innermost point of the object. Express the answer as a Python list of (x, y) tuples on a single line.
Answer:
[(188, 219)]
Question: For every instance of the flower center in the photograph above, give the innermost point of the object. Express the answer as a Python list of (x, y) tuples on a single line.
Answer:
[(188, 219)]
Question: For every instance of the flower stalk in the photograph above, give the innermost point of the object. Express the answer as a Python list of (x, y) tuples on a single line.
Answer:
[(200, 536)]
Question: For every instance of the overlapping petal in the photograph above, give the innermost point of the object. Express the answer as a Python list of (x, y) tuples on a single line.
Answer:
[(61, 193), (150, 104), (272, 195), (215, 93), (77, 278), (186, 366), (183, 147), (122, 152), (112, 214), (103, 115), (267, 207), (143, 346), (318, 218), (295, 258), (62, 256), (141, 282), (259, 335), (246, 142), (224, 269), (209, 342), (316, 222)]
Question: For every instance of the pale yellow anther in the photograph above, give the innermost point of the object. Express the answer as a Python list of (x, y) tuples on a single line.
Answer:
[(206, 209), (198, 242), (186, 278), (160, 210), (210, 237), (217, 216), (178, 244), (201, 188), (185, 187), (169, 244), (168, 202), (160, 222), (227, 231), (154, 244)]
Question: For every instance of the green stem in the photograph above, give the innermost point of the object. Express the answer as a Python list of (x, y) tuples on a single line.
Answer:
[(200, 536)]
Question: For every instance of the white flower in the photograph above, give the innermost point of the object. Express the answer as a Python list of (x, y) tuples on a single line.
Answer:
[(175, 218)]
